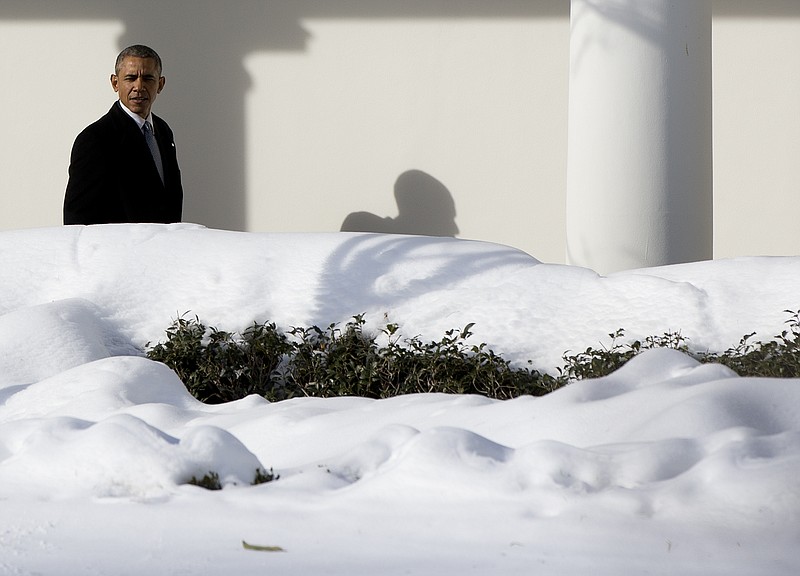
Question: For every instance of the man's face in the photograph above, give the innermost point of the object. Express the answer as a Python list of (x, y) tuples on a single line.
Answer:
[(138, 84)]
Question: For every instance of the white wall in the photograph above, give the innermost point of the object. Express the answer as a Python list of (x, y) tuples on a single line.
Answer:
[(55, 82), (757, 135), (291, 114), (479, 105)]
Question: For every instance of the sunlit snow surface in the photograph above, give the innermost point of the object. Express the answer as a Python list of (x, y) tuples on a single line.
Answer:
[(665, 467)]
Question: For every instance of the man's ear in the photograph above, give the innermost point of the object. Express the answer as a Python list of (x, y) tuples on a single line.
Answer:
[(161, 82), (114, 83)]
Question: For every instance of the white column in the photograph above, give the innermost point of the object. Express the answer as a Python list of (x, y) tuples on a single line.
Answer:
[(639, 177)]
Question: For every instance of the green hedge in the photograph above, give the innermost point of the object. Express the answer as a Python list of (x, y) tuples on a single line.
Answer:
[(218, 366)]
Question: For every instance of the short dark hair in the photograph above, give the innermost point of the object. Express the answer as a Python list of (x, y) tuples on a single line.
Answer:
[(138, 51)]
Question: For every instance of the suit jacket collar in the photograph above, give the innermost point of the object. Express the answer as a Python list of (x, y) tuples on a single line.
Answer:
[(119, 112), (140, 122)]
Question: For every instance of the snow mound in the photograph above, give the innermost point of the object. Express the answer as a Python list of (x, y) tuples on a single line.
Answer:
[(666, 466)]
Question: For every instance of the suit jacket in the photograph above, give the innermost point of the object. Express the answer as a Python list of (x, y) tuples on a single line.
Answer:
[(113, 177)]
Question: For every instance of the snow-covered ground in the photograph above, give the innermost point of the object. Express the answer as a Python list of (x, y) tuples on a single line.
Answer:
[(665, 467)]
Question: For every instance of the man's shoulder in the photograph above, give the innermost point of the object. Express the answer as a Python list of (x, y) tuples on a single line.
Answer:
[(108, 122)]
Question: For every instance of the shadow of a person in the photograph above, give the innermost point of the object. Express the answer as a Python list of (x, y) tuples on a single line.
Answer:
[(425, 207)]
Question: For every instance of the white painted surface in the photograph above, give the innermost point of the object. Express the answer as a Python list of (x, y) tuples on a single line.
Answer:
[(639, 158), (757, 137)]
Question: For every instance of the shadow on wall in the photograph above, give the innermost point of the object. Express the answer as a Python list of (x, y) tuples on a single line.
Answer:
[(425, 206)]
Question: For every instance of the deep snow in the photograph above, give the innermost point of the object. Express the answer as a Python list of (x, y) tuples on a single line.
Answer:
[(665, 467)]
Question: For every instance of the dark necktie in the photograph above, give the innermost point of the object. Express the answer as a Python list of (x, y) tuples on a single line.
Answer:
[(153, 145)]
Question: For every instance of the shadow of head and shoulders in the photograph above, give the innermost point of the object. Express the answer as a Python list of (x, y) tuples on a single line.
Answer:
[(425, 206)]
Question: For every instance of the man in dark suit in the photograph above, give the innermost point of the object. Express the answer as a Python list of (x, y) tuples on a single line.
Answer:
[(115, 174)]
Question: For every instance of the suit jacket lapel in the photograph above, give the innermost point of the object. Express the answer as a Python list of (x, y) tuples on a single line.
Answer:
[(132, 140)]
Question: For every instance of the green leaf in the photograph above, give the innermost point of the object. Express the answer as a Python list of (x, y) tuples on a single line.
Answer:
[(247, 546)]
